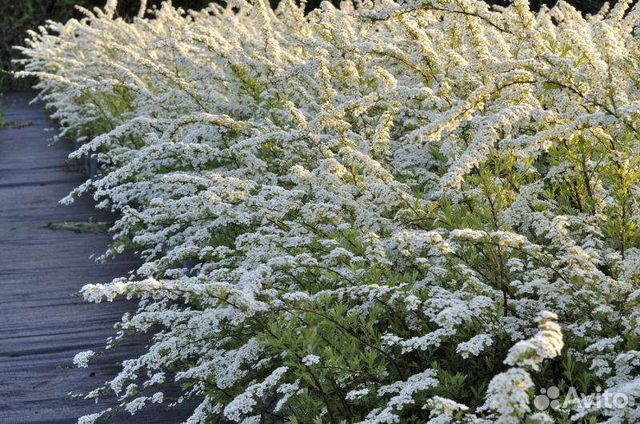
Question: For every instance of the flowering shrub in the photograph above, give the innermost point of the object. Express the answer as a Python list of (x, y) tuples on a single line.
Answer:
[(395, 212)]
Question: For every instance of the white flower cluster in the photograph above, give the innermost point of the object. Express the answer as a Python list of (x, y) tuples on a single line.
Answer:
[(81, 360), (354, 215), (507, 395)]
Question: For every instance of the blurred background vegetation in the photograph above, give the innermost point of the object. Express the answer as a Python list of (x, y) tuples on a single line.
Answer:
[(17, 16)]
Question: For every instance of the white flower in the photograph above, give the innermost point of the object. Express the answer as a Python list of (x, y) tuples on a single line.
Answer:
[(379, 183), (311, 360), (546, 344), (357, 394), (81, 360), (474, 346)]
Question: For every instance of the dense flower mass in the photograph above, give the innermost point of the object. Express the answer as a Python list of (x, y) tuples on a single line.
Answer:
[(394, 212)]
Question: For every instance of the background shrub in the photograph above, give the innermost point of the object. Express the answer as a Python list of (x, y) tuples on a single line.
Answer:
[(17, 17)]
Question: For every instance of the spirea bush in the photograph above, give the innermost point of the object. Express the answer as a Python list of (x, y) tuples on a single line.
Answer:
[(416, 212)]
